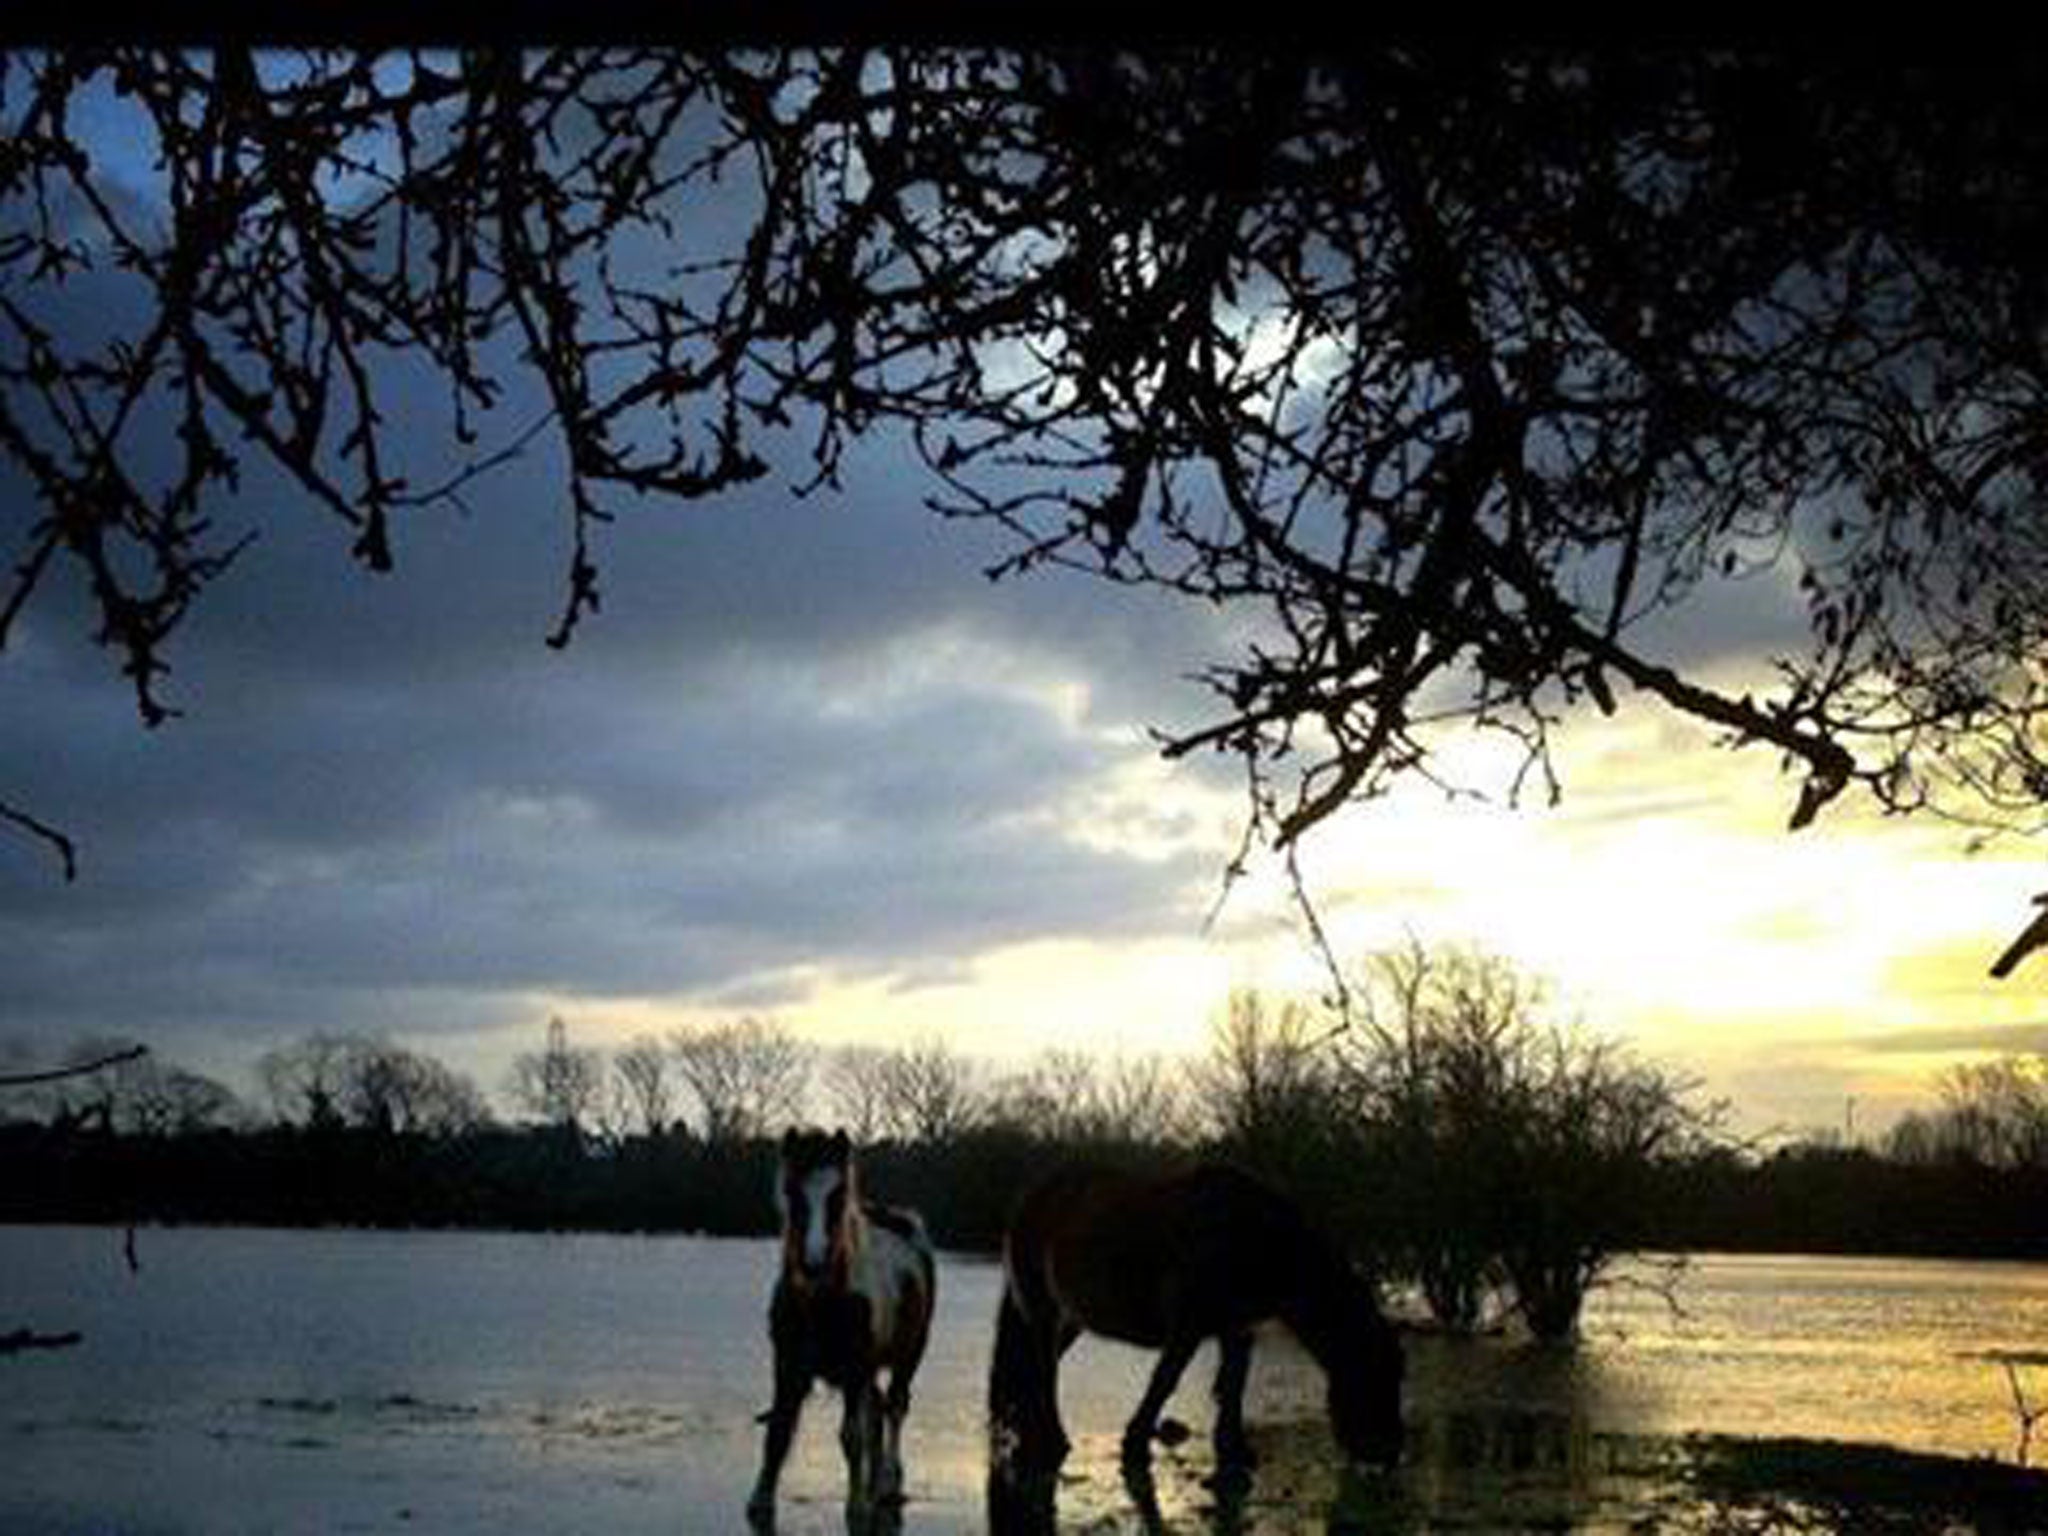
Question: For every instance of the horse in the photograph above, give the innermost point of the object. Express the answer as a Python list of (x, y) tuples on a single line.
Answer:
[(853, 1298), (1164, 1262)]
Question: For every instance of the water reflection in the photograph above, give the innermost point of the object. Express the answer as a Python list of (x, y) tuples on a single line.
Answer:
[(884, 1519), (1021, 1503), (1027, 1504), (1479, 1465)]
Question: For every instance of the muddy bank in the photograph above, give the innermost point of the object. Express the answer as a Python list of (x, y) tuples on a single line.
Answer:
[(1499, 1475)]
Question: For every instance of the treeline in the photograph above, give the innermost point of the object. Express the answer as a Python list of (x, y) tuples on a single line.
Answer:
[(1822, 1198), (1458, 1141), (1801, 1199), (518, 1178)]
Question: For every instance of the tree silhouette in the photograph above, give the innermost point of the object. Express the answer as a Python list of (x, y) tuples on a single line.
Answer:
[(746, 1076), (1450, 372), (560, 1085), (1523, 1155), (643, 1096)]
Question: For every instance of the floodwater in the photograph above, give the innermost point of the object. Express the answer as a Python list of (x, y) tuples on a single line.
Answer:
[(245, 1381)]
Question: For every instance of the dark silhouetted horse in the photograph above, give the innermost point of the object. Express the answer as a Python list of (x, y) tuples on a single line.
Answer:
[(1165, 1262), (854, 1298)]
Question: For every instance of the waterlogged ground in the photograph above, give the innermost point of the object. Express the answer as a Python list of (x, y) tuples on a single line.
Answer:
[(1528, 1476), (258, 1381)]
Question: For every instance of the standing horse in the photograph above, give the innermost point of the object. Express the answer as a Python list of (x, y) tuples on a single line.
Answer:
[(1165, 1262), (854, 1298)]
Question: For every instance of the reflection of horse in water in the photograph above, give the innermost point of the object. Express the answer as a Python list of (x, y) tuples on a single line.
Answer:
[(1168, 1261), (854, 1298)]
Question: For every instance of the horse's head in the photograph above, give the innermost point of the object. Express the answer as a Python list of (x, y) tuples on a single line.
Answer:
[(814, 1186), (1365, 1391)]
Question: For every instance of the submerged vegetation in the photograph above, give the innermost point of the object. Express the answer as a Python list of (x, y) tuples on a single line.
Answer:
[(1456, 1139)]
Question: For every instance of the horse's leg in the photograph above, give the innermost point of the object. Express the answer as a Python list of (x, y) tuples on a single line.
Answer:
[(875, 1420), (1234, 1364), (1046, 1441), (1173, 1360), (914, 1331), (1024, 1375), (889, 1467), (1052, 1343), (895, 1408), (791, 1387), (859, 1438)]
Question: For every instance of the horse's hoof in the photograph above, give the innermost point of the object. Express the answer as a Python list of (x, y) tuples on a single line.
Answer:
[(1236, 1453), (1229, 1477), (1171, 1432)]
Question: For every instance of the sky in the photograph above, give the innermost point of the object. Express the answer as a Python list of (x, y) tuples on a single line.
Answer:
[(808, 764)]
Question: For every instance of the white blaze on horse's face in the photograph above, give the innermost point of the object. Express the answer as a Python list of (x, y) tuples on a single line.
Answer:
[(823, 1197)]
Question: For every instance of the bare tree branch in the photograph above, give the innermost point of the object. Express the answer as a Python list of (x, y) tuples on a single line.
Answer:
[(76, 1069), (1446, 372)]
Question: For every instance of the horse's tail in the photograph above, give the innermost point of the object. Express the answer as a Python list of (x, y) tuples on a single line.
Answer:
[(1023, 1412), (1023, 1400), (1012, 1371)]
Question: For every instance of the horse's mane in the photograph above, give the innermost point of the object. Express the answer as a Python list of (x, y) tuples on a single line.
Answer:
[(1332, 1306), (906, 1224)]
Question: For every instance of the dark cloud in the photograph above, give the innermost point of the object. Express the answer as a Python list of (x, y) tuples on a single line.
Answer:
[(802, 736)]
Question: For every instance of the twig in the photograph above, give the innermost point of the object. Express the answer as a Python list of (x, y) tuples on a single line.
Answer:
[(79, 1069), (27, 1338), (1671, 1269), (2029, 1416), (66, 851)]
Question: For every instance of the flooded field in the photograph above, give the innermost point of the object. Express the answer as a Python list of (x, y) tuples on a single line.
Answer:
[(354, 1381)]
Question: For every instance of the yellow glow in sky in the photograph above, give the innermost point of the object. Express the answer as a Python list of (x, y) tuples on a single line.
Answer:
[(1663, 899)]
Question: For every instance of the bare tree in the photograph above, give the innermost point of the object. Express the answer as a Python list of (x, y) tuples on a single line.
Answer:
[(304, 1080), (561, 1085), (1994, 1113), (642, 1087), (1139, 1100), (1453, 371), (854, 1080), (1068, 1095), (1056, 1097), (931, 1091), (393, 1089), (1265, 1077), (1521, 1148), (748, 1077), (156, 1098), (368, 1082)]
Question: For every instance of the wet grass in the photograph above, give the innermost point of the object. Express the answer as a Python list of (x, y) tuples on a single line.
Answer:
[(1536, 1476), (1825, 1486)]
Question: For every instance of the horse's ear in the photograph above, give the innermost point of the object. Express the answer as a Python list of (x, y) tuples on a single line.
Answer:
[(842, 1144), (789, 1141)]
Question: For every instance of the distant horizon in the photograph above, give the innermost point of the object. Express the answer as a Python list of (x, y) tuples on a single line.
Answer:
[(1856, 1120)]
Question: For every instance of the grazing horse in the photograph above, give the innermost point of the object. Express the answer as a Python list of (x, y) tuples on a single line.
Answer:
[(1165, 1262), (854, 1298)]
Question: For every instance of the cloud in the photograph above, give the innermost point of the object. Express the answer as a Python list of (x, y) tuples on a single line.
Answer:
[(1997, 1039), (801, 739), (804, 745)]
